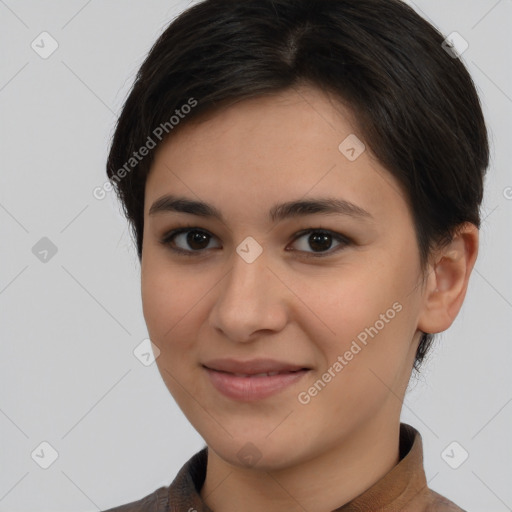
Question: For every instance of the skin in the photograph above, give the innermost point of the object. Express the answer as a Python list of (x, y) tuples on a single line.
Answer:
[(284, 305)]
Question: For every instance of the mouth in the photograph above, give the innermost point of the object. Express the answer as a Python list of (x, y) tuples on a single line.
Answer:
[(266, 374), (253, 367), (252, 380)]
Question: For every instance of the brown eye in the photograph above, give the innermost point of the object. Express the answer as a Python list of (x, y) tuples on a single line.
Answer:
[(192, 241), (187, 240), (316, 242), (197, 240), (320, 241)]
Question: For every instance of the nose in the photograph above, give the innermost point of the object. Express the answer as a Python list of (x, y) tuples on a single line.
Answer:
[(250, 301)]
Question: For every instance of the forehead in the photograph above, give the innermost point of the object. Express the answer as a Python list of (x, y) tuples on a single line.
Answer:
[(271, 149)]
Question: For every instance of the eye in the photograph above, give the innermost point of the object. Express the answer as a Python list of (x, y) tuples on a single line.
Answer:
[(320, 241), (193, 241)]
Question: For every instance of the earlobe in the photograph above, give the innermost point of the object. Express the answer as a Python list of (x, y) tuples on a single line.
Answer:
[(448, 280)]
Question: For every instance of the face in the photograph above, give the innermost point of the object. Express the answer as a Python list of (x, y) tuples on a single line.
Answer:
[(330, 287)]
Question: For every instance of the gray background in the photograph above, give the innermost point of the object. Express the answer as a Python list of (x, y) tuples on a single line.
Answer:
[(68, 326)]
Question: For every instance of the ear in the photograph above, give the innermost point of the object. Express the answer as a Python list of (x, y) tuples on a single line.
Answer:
[(447, 281)]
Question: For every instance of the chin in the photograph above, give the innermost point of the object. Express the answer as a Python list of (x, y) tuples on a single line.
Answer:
[(256, 452)]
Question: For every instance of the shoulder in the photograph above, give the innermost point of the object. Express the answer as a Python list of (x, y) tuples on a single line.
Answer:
[(157, 501), (439, 503), (179, 495)]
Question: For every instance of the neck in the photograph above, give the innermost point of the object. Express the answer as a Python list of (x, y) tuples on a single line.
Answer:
[(324, 482)]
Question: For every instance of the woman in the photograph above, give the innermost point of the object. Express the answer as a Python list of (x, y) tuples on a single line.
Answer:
[(303, 181)]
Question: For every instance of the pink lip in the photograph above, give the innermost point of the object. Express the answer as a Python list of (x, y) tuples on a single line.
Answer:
[(252, 388)]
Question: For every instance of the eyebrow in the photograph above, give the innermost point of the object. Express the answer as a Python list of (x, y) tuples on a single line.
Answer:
[(281, 211)]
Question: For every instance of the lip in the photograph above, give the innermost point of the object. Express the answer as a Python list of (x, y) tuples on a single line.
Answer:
[(249, 389), (239, 380)]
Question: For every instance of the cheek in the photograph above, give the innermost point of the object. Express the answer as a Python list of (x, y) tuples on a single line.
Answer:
[(171, 303), (366, 314), (342, 304), (359, 377), (168, 300)]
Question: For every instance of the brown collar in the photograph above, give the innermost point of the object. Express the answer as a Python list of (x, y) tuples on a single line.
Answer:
[(403, 484), (403, 488)]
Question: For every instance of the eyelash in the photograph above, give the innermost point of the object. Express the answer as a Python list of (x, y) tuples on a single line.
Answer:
[(344, 241)]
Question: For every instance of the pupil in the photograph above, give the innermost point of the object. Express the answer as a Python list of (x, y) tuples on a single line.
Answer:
[(320, 241), (195, 240)]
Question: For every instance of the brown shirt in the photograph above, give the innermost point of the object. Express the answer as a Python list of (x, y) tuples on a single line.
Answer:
[(403, 489)]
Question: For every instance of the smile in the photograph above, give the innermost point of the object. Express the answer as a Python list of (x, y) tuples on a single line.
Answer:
[(251, 387)]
